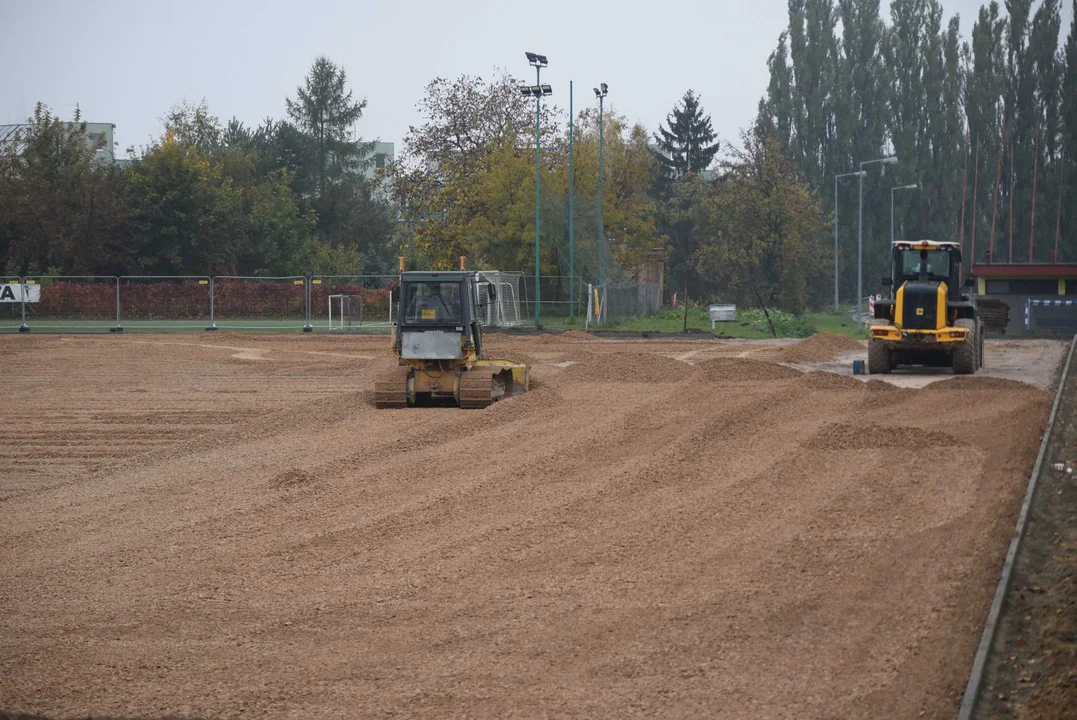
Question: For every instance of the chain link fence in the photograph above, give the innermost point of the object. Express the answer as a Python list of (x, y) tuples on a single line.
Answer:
[(562, 300)]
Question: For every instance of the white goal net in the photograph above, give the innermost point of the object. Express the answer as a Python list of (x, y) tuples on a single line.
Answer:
[(345, 312), (504, 309)]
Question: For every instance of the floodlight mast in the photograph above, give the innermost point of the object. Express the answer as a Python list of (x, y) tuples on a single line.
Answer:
[(538, 91), (601, 95)]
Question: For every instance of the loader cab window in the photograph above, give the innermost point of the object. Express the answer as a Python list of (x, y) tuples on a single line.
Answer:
[(432, 303), (935, 263)]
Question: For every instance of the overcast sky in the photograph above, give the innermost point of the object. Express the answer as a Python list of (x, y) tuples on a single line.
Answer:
[(127, 61)]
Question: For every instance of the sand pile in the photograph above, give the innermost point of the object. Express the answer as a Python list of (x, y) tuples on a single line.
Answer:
[(627, 367), (847, 436), (978, 382), (539, 397), (821, 347), (830, 381), (733, 369)]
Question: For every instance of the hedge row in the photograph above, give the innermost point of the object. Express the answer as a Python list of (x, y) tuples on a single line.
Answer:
[(189, 300)]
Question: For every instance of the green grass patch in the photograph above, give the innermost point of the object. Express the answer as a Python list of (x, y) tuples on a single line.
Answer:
[(751, 323)]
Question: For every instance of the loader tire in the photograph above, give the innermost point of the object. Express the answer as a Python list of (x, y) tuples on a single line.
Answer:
[(966, 358), (878, 358)]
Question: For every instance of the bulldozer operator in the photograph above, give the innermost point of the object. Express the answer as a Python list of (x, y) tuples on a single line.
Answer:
[(427, 302)]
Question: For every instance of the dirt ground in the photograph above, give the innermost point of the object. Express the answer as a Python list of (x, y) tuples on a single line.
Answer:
[(1029, 361), (224, 525), (1032, 671)]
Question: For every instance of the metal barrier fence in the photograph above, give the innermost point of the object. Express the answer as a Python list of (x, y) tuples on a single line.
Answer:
[(156, 302), (12, 306), (183, 303), (260, 303), (373, 290), (87, 303)]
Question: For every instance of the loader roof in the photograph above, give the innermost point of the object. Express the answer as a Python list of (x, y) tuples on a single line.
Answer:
[(924, 245)]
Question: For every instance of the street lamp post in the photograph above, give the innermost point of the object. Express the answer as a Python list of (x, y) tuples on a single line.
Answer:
[(538, 91), (836, 178), (600, 93), (892, 160), (900, 187)]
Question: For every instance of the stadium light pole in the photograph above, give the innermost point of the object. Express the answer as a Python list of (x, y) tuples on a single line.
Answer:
[(571, 230), (914, 186), (600, 92), (538, 91), (892, 160), (858, 173)]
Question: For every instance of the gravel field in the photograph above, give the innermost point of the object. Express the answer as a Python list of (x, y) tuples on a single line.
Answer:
[(223, 525)]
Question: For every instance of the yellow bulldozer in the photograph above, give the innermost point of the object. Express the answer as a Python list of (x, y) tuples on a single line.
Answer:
[(927, 320), (437, 336)]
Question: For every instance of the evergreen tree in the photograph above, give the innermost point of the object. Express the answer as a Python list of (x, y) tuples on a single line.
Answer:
[(775, 110), (861, 124), (985, 86), (327, 160), (1047, 67), (325, 112), (687, 146), (813, 50), (1068, 112)]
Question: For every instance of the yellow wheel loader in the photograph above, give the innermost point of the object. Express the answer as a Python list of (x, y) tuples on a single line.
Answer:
[(437, 336), (927, 320)]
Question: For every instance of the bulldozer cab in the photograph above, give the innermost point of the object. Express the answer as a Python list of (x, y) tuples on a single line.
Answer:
[(433, 302), (437, 316)]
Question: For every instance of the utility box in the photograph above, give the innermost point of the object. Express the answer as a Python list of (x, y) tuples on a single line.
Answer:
[(722, 313)]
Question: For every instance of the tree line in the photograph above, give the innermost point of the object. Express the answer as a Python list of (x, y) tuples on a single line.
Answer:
[(976, 124), (465, 186), (206, 197)]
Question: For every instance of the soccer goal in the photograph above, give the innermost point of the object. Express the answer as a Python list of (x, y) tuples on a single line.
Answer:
[(345, 312), (504, 309)]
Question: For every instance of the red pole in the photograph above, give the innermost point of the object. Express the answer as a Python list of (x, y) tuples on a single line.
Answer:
[(998, 177), (964, 187), (1035, 169), (1011, 198), (975, 188), (1058, 213)]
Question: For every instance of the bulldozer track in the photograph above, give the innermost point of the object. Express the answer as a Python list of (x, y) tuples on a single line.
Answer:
[(391, 388), (476, 389)]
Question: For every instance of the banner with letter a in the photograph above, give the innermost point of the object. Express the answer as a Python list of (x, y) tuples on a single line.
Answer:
[(14, 293)]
